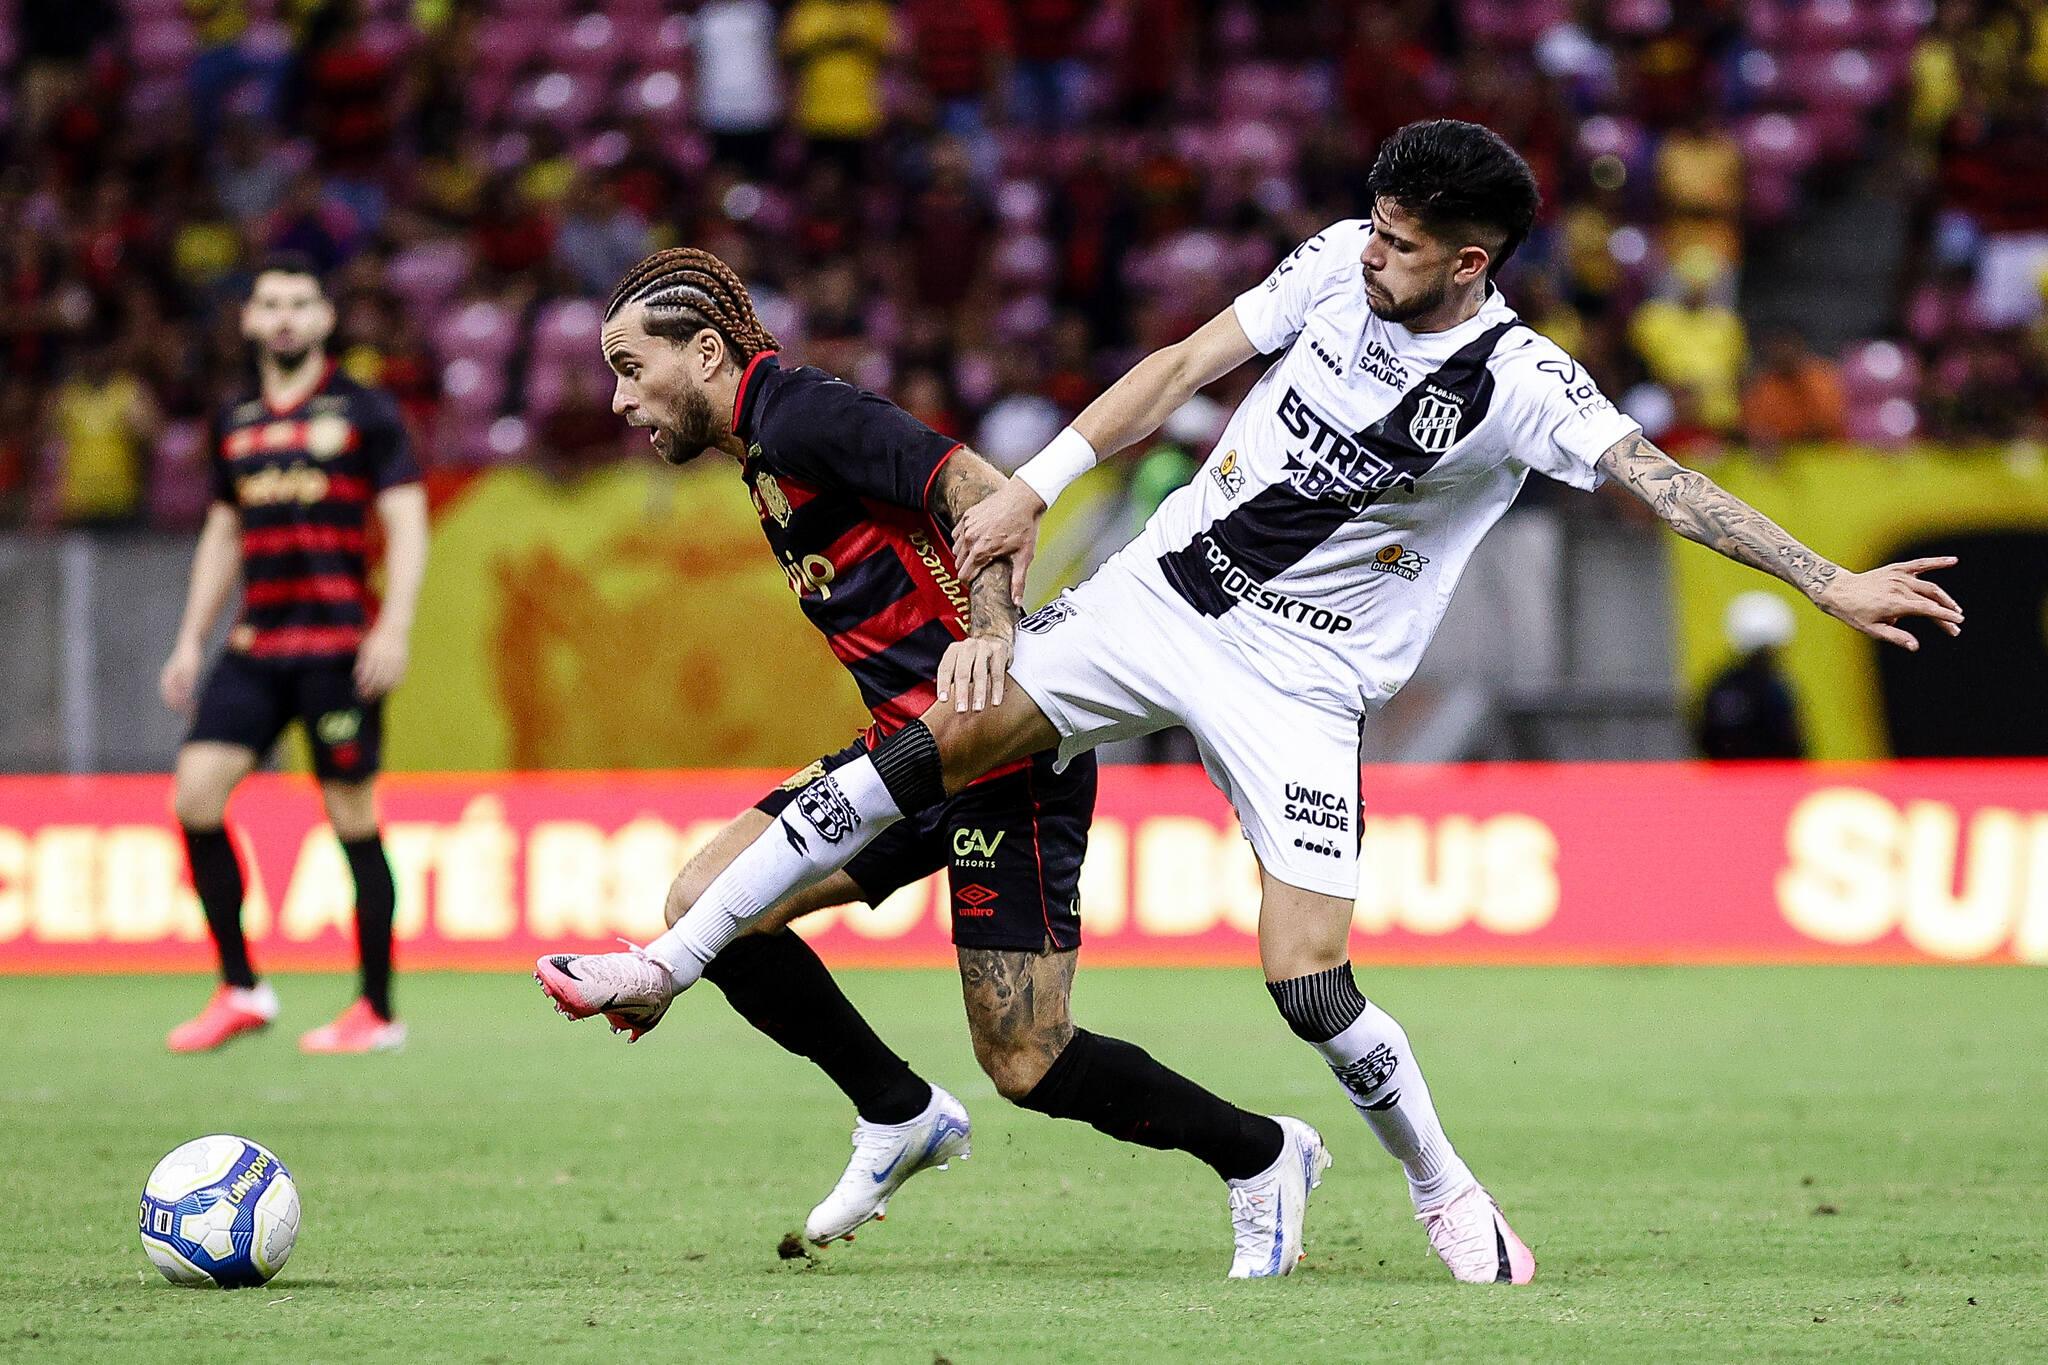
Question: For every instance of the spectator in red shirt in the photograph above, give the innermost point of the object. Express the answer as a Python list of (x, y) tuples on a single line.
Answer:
[(962, 50), (1045, 85)]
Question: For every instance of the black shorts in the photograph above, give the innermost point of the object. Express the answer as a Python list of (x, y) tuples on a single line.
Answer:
[(1012, 846), (249, 702)]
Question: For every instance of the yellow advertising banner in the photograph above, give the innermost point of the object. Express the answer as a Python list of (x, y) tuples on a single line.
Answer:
[(632, 619)]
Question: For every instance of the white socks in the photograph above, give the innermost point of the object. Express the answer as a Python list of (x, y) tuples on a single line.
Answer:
[(817, 834), (1373, 1060)]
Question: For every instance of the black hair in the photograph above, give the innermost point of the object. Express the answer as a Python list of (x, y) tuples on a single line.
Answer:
[(1462, 180), (287, 263), (687, 289)]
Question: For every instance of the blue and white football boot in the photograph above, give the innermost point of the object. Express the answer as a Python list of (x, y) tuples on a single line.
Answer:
[(884, 1156)]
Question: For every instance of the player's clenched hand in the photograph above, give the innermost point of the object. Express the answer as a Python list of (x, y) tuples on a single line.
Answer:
[(1874, 602), (971, 675), (380, 663), (180, 677), (1003, 524)]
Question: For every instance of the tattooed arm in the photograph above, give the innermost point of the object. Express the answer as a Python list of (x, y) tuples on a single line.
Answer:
[(973, 672), (1701, 510)]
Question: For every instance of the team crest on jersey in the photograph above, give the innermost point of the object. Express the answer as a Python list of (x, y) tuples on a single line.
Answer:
[(1228, 477), (773, 500), (327, 436), (828, 810), (1434, 427), (1046, 617)]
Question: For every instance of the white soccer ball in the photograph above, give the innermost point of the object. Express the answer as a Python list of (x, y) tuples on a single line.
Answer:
[(220, 1212)]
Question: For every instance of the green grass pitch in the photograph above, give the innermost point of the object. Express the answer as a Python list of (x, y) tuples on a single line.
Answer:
[(1710, 1164)]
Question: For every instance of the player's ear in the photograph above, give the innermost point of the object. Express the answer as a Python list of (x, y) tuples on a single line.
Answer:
[(708, 348), (1472, 264)]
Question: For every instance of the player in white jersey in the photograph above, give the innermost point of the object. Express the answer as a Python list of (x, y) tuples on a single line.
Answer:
[(1285, 593)]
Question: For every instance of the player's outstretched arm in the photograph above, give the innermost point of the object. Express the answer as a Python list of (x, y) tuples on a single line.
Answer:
[(215, 565), (973, 670), (380, 663), (1701, 510), (1006, 525)]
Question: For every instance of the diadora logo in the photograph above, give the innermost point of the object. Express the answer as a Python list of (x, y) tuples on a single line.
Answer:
[(1228, 477), (1330, 362), (1318, 809), (1397, 560), (977, 843)]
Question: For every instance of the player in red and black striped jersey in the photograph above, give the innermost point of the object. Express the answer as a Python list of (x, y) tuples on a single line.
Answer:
[(858, 498), (298, 467)]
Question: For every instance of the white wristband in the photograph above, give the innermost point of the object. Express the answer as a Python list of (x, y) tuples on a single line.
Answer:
[(1064, 460)]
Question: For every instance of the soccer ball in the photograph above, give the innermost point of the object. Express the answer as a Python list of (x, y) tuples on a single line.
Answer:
[(220, 1212)]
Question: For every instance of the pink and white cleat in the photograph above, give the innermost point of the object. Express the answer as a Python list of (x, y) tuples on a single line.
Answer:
[(1470, 1236), (233, 1011), (630, 989), (356, 1029)]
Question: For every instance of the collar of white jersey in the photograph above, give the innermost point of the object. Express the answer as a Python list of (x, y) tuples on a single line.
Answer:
[(1493, 310)]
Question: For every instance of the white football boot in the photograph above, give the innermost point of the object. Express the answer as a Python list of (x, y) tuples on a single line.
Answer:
[(1469, 1234), (1267, 1210), (884, 1156)]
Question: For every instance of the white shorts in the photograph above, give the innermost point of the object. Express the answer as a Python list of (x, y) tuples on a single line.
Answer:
[(1118, 657)]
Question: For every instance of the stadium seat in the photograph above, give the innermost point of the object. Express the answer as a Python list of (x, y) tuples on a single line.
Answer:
[(1778, 142), (1823, 25), (1638, 18), (179, 488), (429, 273), (1873, 371), (1888, 423), (479, 330), (163, 47), (504, 45), (560, 98), (591, 46)]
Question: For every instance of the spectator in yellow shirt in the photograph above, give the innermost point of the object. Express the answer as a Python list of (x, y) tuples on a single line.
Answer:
[(836, 50), (1695, 340), (103, 420)]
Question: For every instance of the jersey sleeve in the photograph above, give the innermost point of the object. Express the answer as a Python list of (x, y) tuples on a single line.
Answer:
[(1273, 313), (828, 432), (1564, 424), (387, 446), (218, 477)]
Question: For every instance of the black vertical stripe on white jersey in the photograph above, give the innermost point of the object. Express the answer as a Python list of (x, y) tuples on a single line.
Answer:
[(1282, 524)]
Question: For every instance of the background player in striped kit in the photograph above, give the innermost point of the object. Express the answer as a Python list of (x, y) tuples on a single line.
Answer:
[(297, 465)]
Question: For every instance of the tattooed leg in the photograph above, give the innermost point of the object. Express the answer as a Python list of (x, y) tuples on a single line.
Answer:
[(1024, 1038)]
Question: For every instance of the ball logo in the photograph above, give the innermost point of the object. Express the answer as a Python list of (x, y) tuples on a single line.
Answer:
[(327, 436), (1435, 424), (828, 810)]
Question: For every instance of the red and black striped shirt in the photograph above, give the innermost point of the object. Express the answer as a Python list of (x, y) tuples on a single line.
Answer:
[(303, 479), (843, 482)]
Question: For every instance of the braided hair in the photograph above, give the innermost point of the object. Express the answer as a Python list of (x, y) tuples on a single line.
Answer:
[(686, 290)]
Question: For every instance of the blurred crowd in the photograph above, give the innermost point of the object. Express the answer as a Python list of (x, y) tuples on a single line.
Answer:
[(986, 208)]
